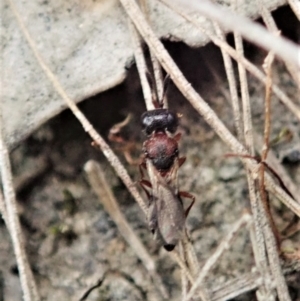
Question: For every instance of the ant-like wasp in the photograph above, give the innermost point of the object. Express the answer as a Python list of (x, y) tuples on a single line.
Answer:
[(166, 216)]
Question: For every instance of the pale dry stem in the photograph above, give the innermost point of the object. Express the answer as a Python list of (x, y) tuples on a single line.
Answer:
[(272, 27), (157, 72), (268, 223), (232, 83), (3, 209), (10, 214), (141, 65), (224, 245), (275, 266), (103, 191), (234, 288), (259, 245), (177, 258), (184, 278), (295, 5)]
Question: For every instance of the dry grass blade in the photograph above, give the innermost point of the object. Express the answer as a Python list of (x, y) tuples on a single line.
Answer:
[(232, 83), (267, 66), (268, 223), (274, 260), (272, 27), (236, 287), (224, 245), (251, 31), (295, 5), (10, 214), (190, 254), (100, 186), (157, 72), (258, 238), (107, 151), (177, 258), (141, 65), (197, 102), (3, 209), (184, 279)]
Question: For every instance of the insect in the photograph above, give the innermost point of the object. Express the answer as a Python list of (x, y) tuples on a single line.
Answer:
[(166, 215)]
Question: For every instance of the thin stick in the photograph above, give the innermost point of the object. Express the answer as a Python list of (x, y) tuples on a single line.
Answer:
[(190, 254), (251, 31), (177, 258), (246, 63), (10, 213), (141, 65), (224, 245), (158, 79), (3, 210), (232, 83), (103, 191), (155, 63), (234, 288), (269, 226), (259, 251), (295, 6), (280, 282), (267, 66), (260, 255), (272, 27), (107, 151), (197, 102), (184, 278)]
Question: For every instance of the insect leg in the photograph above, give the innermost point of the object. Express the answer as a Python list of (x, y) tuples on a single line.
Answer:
[(115, 131), (189, 196), (152, 209), (181, 160), (177, 137), (142, 166), (144, 184)]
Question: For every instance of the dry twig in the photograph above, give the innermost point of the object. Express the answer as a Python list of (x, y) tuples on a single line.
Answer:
[(268, 223), (141, 65), (224, 245), (258, 239), (10, 213), (232, 83), (157, 72), (295, 5)]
